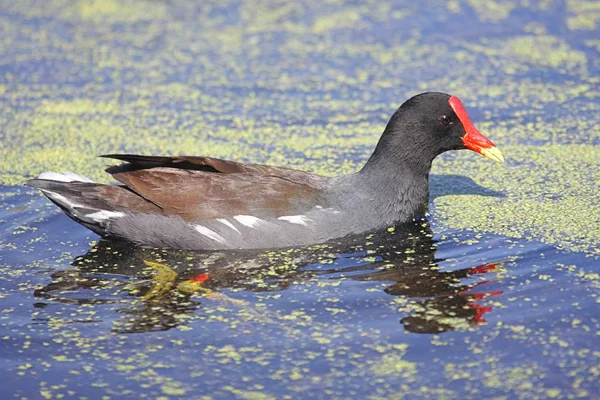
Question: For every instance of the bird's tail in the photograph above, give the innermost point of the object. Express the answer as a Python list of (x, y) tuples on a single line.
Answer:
[(78, 197)]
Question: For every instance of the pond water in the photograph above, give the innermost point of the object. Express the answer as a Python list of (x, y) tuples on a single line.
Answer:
[(496, 294)]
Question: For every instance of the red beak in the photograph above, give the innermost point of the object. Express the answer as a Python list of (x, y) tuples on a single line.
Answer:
[(474, 140)]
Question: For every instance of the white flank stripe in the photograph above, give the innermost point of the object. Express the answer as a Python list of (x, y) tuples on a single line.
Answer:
[(209, 233), (296, 219), (103, 215), (248, 220), (228, 224), (66, 176)]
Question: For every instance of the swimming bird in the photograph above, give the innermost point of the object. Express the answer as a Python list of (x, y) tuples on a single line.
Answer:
[(204, 203)]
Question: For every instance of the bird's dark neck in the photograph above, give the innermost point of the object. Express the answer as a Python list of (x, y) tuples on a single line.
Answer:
[(394, 181), (399, 187), (399, 151), (398, 162), (385, 192), (393, 186)]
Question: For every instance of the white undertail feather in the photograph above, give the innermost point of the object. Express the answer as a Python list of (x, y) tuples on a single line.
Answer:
[(61, 199), (65, 176), (99, 216)]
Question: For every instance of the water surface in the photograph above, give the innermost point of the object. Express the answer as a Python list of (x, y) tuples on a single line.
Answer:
[(495, 294)]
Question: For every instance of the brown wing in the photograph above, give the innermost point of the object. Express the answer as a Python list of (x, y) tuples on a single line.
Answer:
[(197, 188), (207, 164)]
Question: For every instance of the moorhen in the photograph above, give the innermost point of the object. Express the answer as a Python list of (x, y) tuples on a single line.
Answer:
[(203, 203)]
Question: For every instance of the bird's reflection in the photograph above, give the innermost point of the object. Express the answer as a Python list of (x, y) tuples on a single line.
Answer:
[(169, 284)]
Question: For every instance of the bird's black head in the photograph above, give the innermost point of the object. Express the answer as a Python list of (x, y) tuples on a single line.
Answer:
[(427, 125)]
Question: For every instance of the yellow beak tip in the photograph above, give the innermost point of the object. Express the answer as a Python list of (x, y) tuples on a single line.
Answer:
[(493, 154)]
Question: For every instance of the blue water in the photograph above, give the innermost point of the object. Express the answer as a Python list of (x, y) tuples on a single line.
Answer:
[(425, 311)]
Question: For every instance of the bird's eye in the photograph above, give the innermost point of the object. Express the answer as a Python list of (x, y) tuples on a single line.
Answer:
[(445, 120)]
